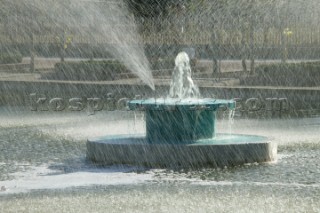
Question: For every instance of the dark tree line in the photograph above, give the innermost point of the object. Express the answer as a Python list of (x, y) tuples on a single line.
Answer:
[(153, 8)]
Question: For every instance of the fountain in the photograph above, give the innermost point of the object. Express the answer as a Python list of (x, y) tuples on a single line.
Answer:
[(180, 132), (42, 157)]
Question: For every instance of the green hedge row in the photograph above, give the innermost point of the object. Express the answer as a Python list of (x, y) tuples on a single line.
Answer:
[(90, 70), (304, 74), (161, 63), (166, 63), (102, 70), (292, 67), (10, 58)]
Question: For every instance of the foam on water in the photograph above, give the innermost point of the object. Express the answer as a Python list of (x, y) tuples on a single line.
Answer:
[(43, 178)]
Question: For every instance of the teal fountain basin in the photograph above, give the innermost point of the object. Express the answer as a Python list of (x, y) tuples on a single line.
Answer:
[(181, 133), (176, 121)]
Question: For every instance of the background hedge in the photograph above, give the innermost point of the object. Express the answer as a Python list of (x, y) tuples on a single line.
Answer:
[(90, 70), (10, 58), (305, 74)]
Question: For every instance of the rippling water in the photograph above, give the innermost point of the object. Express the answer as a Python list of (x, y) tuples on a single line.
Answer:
[(43, 169)]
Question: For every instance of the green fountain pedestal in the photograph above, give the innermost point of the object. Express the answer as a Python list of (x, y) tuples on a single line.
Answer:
[(181, 133), (175, 121)]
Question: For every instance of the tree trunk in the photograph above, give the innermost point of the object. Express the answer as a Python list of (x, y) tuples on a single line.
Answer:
[(215, 52), (62, 54), (32, 54), (244, 65), (252, 62), (244, 50), (284, 51)]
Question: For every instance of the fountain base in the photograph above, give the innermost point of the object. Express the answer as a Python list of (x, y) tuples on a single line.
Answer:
[(223, 150)]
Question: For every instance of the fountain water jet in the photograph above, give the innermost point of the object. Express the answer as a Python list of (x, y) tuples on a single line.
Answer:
[(180, 132), (182, 85)]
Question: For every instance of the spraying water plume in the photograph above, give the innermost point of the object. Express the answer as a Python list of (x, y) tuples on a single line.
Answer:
[(105, 23), (114, 22), (182, 85)]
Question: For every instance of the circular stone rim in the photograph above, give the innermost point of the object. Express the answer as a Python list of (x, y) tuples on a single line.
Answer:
[(111, 152), (140, 139)]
